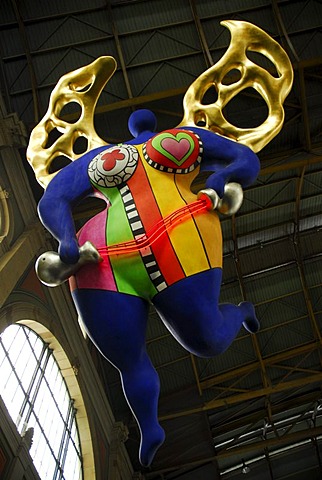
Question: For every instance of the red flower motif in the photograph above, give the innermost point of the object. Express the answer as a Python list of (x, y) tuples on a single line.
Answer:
[(110, 158)]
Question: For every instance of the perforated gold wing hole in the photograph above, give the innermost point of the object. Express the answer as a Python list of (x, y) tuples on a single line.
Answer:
[(71, 112), (67, 129), (263, 62), (272, 83), (231, 77)]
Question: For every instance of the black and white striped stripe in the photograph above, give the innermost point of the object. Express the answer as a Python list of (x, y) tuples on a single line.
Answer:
[(138, 230)]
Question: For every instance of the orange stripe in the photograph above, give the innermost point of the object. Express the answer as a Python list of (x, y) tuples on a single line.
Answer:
[(150, 215), (159, 229)]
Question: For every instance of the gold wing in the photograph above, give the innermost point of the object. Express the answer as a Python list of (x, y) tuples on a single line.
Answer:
[(84, 87), (245, 37)]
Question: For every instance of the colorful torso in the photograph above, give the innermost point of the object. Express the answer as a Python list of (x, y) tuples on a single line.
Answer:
[(144, 184)]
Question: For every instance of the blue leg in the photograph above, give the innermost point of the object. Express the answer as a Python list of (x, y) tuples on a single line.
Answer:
[(116, 323), (190, 310)]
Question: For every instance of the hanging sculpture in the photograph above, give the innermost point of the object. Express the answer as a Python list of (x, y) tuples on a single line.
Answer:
[(156, 242)]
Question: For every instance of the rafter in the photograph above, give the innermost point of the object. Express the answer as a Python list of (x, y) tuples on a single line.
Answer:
[(253, 447), (268, 361), (250, 395), (32, 74), (258, 414)]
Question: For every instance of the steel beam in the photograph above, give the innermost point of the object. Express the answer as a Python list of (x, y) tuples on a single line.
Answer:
[(257, 446), (259, 414), (273, 442), (268, 361), (119, 49), (201, 34), (250, 395), (32, 74)]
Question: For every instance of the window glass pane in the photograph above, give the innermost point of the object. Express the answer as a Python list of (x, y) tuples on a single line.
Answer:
[(27, 372), (8, 386), (18, 341), (36, 396), (71, 464), (42, 456)]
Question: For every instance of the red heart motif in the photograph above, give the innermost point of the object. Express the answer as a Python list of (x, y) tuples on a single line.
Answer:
[(177, 148)]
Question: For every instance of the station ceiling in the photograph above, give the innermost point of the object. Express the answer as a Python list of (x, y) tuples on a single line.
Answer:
[(264, 394)]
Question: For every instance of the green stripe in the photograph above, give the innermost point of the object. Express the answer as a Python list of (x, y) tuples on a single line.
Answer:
[(129, 271)]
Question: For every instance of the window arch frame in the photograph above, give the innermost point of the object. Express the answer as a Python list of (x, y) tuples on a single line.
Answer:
[(29, 315)]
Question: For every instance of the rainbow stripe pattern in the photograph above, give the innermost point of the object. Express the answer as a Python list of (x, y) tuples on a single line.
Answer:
[(158, 187)]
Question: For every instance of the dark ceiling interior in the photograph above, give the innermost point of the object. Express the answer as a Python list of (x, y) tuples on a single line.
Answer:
[(263, 396)]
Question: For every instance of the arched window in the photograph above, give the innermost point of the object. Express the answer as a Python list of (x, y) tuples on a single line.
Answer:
[(36, 396)]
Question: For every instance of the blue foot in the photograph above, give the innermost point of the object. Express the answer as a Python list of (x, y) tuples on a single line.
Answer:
[(150, 443), (251, 323)]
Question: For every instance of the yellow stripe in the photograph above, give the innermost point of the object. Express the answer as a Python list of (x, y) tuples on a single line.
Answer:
[(208, 225), (184, 237)]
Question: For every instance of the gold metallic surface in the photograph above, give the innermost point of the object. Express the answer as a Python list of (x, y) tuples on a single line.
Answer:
[(245, 38), (82, 86)]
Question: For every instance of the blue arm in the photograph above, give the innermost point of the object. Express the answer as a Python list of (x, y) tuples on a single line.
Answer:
[(66, 189), (231, 161)]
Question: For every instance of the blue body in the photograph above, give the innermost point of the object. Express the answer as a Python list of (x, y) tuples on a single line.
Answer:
[(116, 322)]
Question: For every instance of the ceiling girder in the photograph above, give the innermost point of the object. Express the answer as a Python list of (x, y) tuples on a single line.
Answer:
[(250, 395), (32, 74), (227, 426), (256, 446), (119, 49), (268, 361), (262, 364), (239, 373)]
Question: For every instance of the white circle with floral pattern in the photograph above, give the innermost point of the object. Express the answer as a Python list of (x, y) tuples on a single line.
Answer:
[(114, 166)]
